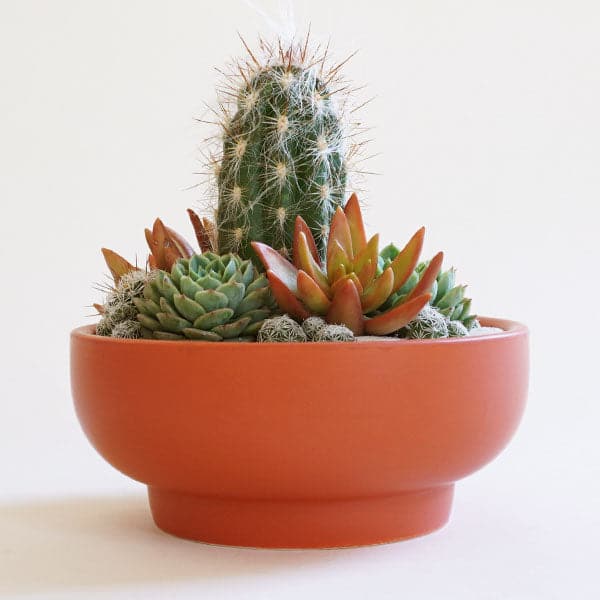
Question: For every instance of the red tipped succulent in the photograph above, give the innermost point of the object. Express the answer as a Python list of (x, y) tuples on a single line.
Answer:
[(347, 289)]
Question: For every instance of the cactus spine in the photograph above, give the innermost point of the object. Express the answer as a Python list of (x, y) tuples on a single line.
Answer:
[(284, 153)]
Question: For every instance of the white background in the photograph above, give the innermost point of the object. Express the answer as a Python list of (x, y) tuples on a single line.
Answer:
[(487, 130)]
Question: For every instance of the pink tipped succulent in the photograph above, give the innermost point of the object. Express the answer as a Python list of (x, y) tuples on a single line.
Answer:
[(347, 289)]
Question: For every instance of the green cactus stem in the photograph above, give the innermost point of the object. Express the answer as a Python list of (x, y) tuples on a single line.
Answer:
[(285, 152)]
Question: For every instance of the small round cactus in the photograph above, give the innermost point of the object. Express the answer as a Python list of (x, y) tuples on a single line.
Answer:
[(119, 306), (334, 333), (104, 326), (474, 324), (130, 330), (312, 326), (457, 329), (428, 324), (281, 329)]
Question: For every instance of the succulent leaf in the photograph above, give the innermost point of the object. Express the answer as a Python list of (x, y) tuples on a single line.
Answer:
[(397, 317), (428, 277), (311, 294), (378, 292), (406, 261), (356, 225), (346, 308), (300, 226), (116, 264)]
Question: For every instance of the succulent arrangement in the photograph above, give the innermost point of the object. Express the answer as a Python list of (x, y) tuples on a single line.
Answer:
[(287, 257)]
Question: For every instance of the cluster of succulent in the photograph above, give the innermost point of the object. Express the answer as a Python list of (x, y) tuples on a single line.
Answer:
[(447, 297), (346, 288), (430, 323), (314, 329), (286, 147)]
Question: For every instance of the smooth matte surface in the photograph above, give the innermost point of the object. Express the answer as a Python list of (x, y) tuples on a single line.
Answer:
[(301, 523), (313, 423), (487, 131)]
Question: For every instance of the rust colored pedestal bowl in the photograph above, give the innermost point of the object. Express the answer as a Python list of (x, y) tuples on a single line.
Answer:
[(309, 445)]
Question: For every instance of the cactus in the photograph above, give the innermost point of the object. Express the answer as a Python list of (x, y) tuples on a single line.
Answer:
[(119, 308), (457, 329), (312, 326), (446, 297), (206, 297), (428, 324), (285, 150), (130, 330), (347, 290), (281, 329), (333, 333)]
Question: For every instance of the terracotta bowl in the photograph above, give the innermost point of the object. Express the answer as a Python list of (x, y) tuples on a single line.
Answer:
[(300, 445)]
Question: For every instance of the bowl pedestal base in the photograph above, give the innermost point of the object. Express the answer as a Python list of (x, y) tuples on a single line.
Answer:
[(321, 523)]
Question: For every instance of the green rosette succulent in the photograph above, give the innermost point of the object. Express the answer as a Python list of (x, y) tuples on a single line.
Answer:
[(447, 297), (206, 297)]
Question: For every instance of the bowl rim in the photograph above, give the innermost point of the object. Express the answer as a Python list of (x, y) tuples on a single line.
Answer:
[(510, 329)]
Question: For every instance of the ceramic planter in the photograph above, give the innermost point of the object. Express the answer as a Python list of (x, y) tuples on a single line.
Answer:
[(300, 445)]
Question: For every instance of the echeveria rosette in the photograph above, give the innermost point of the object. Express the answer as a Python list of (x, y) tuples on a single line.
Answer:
[(348, 289), (447, 297), (206, 297)]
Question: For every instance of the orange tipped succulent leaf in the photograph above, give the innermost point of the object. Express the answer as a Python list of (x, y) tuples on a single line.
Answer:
[(404, 264), (356, 225), (378, 292), (369, 253), (338, 261), (397, 317), (300, 227), (304, 259), (117, 265), (346, 309), (204, 229), (339, 235), (287, 301), (282, 268), (311, 294), (341, 281), (166, 246), (428, 277)]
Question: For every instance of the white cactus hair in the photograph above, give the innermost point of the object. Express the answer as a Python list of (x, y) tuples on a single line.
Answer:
[(129, 330), (428, 324), (119, 307), (312, 326), (457, 329), (334, 333), (281, 329)]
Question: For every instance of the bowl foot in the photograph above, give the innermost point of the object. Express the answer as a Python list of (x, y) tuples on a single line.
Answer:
[(301, 523)]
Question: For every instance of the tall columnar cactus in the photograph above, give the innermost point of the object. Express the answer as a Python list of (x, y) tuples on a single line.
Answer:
[(284, 153)]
